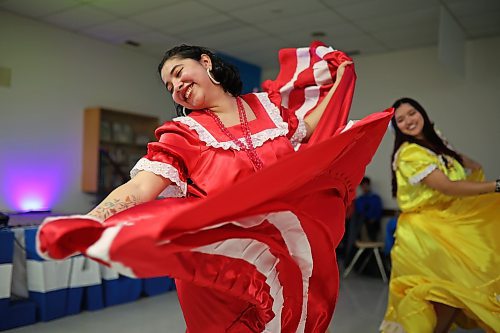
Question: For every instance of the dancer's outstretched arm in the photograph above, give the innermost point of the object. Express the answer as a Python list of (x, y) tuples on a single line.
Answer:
[(144, 187), (440, 182), (312, 119)]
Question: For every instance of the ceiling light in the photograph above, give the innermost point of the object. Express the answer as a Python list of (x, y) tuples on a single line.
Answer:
[(318, 34), (132, 43)]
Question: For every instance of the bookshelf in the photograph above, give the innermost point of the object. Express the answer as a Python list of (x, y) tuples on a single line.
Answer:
[(113, 141)]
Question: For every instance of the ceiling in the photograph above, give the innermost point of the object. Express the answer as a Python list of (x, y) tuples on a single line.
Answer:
[(253, 30)]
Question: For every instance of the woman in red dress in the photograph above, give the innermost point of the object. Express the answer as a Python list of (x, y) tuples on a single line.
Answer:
[(255, 191)]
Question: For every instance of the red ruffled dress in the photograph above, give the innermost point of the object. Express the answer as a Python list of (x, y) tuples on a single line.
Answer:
[(250, 251)]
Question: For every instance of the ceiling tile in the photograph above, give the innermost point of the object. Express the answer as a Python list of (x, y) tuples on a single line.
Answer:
[(310, 22), (277, 10), (382, 8), (126, 8), (335, 3), (36, 8), (207, 25), (206, 29), (79, 17), (339, 32), (462, 8), (485, 24), (155, 44), (177, 14), (230, 5), (362, 44), (408, 37), (152, 37), (254, 30), (417, 19), (116, 31), (225, 38)]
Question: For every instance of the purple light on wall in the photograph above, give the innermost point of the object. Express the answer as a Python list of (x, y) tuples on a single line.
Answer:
[(33, 203), (30, 185)]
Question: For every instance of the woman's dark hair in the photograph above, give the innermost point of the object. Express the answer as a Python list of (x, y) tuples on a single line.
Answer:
[(224, 72), (431, 139)]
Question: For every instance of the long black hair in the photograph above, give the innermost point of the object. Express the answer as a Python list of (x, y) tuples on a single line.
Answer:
[(431, 141), (224, 72)]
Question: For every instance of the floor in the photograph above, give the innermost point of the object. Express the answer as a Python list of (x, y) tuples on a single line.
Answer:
[(360, 309)]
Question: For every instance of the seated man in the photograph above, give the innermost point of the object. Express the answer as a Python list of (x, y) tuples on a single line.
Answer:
[(368, 212), (368, 209)]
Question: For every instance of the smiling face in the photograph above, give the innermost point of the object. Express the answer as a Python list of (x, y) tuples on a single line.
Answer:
[(187, 81), (409, 121)]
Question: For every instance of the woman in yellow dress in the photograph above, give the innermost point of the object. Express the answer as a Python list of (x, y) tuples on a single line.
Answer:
[(446, 264)]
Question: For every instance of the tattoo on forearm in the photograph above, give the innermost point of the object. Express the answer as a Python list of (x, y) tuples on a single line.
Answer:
[(109, 208)]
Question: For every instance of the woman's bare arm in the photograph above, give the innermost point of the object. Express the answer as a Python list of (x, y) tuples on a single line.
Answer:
[(144, 187), (440, 182), (312, 119)]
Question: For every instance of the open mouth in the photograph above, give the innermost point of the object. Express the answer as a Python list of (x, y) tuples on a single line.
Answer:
[(187, 92)]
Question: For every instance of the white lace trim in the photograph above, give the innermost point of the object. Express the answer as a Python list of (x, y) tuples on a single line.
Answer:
[(396, 155), (272, 111), (391, 327), (165, 170), (173, 191), (258, 139), (414, 180), (300, 134)]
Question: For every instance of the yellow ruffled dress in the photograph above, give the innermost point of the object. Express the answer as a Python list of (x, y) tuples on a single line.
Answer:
[(447, 249)]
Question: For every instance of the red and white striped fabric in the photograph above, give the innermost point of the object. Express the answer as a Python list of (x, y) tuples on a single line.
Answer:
[(259, 255), (302, 84)]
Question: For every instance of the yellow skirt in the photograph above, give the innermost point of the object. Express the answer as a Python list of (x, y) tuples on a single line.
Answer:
[(450, 255)]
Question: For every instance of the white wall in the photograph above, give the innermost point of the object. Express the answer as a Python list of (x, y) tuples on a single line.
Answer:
[(55, 75), (466, 109)]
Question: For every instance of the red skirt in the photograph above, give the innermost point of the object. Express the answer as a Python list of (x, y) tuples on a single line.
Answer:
[(258, 256)]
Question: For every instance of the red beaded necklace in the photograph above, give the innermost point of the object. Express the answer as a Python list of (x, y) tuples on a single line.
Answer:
[(249, 148)]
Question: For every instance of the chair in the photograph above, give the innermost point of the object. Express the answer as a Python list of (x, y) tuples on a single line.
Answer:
[(362, 246)]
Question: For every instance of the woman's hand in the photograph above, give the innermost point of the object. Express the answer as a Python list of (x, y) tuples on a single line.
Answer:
[(341, 69)]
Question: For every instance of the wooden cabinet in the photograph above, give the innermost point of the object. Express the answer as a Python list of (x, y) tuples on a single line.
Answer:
[(113, 141)]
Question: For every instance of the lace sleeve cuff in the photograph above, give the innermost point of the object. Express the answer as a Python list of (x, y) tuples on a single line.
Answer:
[(300, 133), (421, 175), (178, 187)]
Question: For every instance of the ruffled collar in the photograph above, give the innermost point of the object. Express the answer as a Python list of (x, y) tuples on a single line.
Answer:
[(268, 125)]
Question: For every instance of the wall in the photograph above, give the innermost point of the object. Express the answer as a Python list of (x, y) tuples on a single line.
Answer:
[(55, 75), (466, 109), (249, 73)]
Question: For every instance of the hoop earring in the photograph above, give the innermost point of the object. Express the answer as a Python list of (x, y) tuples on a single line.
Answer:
[(211, 77), (184, 111)]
